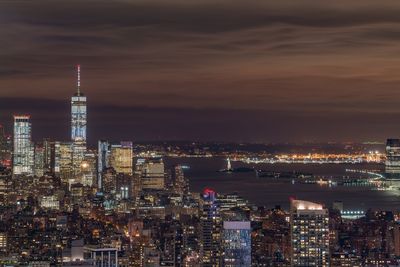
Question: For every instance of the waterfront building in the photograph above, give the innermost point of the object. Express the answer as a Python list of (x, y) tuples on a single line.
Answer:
[(210, 230), (78, 125), (309, 227), (181, 184), (236, 236), (153, 174), (23, 156), (229, 201), (121, 158), (392, 164)]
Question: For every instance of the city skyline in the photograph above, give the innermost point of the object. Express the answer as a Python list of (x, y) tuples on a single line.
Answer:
[(156, 71), (186, 133)]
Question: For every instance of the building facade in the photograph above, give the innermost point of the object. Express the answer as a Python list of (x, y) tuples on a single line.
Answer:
[(103, 160), (210, 231), (23, 156), (236, 237), (309, 224), (121, 158), (392, 164), (153, 176)]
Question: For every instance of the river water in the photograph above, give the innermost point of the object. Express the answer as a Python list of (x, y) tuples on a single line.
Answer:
[(203, 172)]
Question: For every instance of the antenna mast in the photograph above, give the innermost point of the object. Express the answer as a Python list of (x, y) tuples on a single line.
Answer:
[(78, 67)]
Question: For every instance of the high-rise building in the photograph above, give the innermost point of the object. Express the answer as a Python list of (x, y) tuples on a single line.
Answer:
[(88, 170), (47, 145), (236, 237), (63, 161), (103, 160), (153, 176), (181, 184), (210, 231), (3, 241), (124, 185), (229, 201), (6, 148), (109, 181), (309, 223), (39, 161), (78, 125), (392, 164), (23, 156), (122, 158)]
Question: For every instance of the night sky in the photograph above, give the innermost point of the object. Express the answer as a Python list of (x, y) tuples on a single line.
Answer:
[(245, 71)]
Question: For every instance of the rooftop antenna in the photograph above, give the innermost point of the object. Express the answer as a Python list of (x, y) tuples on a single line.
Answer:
[(78, 68)]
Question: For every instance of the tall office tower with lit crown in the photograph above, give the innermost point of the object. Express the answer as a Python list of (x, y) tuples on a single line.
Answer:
[(309, 225), (78, 125), (23, 156), (210, 231)]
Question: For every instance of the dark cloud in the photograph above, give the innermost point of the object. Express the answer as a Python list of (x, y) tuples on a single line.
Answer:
[(198, 69)]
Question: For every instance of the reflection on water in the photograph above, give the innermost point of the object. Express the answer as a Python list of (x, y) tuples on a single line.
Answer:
[(270, 192)]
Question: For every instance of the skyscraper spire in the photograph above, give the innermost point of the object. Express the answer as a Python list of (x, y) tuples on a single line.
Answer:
[(78, 125), (78, 68)]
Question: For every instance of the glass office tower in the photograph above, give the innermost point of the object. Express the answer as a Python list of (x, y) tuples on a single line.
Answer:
[(23, 156)]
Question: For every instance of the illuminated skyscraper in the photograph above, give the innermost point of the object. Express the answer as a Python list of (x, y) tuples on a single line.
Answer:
[(78, 113), (122, 158), (5, 148), (309, 224), (23, 157), (103, 160), (63, 161), (39, 161), (88, 170), (78, 125), (47, 144), (392, 164), (181, 184), (153, 176), (210, 231)]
